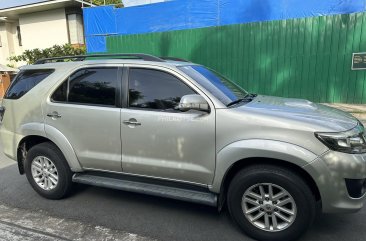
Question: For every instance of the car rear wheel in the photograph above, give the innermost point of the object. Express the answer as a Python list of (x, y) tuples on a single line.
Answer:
[(44, 173), (47, 171), (271, 203)]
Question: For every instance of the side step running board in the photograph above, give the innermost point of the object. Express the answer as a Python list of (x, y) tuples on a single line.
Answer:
[(182, 194)]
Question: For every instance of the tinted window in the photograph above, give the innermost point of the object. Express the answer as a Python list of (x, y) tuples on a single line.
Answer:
[(96, 86), (223, 89), (153, 89), (60, 95), (25, 81)]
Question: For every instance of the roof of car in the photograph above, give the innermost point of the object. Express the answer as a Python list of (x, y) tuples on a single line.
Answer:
[(74, 61), (106, 61)]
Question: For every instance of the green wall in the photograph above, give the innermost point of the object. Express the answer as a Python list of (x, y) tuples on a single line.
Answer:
[(304, 58)]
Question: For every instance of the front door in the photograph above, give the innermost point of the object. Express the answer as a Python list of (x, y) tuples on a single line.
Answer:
[(157, 139), (85, 110)]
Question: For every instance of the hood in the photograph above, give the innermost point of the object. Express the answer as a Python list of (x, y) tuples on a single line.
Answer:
[(326, 118)]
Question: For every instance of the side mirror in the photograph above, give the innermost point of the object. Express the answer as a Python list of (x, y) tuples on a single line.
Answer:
[(193, 102)]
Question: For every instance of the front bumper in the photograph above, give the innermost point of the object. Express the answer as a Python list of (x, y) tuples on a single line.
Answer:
[(331, 171)]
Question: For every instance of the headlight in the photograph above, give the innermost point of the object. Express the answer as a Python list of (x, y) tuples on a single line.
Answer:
[(352, 141)]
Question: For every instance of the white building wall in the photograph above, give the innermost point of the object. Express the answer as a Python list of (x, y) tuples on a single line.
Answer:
[(9, 42), (12, 36), (43, 29), (4, 49)]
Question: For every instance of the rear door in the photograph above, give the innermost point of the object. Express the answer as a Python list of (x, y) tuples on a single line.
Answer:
[(85, 108)]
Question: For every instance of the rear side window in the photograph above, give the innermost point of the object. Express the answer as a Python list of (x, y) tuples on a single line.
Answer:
[(92, 86), (25, 81)]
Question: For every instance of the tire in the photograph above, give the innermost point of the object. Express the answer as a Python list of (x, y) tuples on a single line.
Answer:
[(54, 165), (299, 212)]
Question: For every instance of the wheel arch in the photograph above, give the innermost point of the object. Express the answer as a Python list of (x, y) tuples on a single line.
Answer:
[(25, 145), (242, 154), (245, 163), (53, 136)]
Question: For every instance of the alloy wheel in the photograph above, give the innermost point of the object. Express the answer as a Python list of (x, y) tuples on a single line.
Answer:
[(44, 173), (269, 207)]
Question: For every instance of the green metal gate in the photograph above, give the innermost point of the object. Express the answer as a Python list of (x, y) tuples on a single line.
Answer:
[(304, 58)]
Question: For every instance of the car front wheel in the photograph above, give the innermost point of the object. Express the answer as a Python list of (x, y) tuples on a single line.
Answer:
[(271, 203)]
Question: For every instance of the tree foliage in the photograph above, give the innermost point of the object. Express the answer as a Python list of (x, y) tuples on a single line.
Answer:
[(31, 56)]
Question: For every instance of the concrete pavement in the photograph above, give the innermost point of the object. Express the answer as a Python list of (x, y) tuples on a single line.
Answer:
[(24, 225), (37, 225), (145, 216)]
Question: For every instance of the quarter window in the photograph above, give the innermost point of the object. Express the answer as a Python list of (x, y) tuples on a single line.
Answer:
[(94, 86), (25, 81), (60, 95), (154, 89)]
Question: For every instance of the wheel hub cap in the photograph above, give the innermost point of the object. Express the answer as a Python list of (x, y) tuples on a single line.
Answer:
[(269, 207), (44, 173)]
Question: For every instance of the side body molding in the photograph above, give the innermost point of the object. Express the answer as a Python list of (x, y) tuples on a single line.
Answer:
[(258, 148), (61, 141)]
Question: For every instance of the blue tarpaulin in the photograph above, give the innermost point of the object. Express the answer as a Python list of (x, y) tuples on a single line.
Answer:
[(96, 43), (188, 14), (175, 15), (100, 20)]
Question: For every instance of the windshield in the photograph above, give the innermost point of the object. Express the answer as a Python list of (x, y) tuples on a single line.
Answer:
[(219, 86)]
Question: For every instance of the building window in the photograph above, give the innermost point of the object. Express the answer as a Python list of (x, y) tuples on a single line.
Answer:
[(19, 36), (75, 28)]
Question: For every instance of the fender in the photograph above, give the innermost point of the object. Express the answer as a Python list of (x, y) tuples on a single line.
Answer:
[(51, 133), (32, 129), (258, 148), (61, 141)]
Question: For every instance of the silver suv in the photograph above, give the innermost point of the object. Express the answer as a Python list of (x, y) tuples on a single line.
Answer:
[(175, 129)]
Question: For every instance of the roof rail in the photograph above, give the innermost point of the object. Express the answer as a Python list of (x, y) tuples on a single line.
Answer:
[(145, 57), (174, 59)]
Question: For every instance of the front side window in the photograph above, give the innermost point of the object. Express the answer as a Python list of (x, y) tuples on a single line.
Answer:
[(94, 86), (154, 89), (25, 81), (223, 89)]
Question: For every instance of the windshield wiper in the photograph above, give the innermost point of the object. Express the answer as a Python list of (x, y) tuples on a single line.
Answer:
[(248, 98)]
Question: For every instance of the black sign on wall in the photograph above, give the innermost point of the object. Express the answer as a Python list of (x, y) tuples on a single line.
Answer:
[(358, 61)]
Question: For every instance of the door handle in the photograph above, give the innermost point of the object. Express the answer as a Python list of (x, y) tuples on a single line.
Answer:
[(131, 122), (54, 115)]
